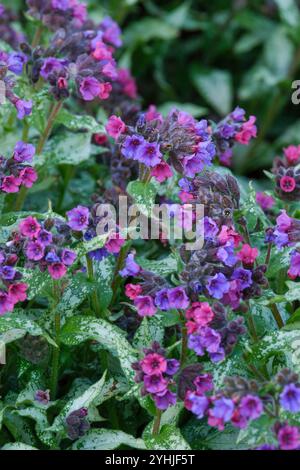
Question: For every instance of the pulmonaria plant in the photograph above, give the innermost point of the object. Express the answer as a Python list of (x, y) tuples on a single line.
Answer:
[(16, 172), (178, 141), (13, 63), (240, 402), (156, 372), (12, 289)]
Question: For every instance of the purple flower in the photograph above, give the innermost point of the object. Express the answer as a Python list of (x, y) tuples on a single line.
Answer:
[(155, 383), (251, 407), (23, 107), (111, 31), (145, 305), (217, 285), (131, 268), (198, 404), (172, 366), (203, 383), (60, 4), (289, 437), (195, 344), (238, 114), (210, 228), (23, 152), (16, 60), (223, 409), (162, 299), (226, 254), (178, 298), (294, 269), (52, 257), (7, 273), (217, 356), (164, 399), (45, 237), (210, 339), (243, 276), (35, 251), (78, 218), (42, 396), (290, 398), (68, 257), (50, 65), (131, 145), (149, 154), (89, 88)]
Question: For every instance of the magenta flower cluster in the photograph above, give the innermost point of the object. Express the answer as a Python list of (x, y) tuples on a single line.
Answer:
[(156, 372), (43, 244), (16, 172), (243, 403), (12, 290)]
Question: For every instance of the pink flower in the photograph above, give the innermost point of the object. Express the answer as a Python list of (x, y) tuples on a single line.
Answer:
[(292, 154), (154, 364), (6, 303), (266, 202), (287, 184), (101, 52), (283, 221), (145, 305), (162, 172), (105, 89), (228, 234), (35, 251), (11, 184), (109, 70), (28, 176), (115, 127), (17, 292), (184, 196), (201, 313), (115, 243), (248, 131), (247, 254), (57, 270), (289, 437), (133, 290), (30, 227), (152, 114)]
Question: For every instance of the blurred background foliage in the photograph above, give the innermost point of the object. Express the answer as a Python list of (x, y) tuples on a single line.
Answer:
[(209, 56)]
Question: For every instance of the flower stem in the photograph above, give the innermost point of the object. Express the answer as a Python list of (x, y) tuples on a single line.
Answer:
[(184, 340), (252, 327), (276, 315), (45, 135), (156, 424), (94, 296), (268, 256), (37, 36), (55, 358), (117, 279)]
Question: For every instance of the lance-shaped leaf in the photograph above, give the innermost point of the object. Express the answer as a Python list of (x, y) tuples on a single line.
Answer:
[(107, 439)]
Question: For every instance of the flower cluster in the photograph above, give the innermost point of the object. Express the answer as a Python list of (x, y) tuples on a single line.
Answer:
[(286, 231), (242, 401), (85, 220), (210, 331), (233, 128), (57, 14), (12, 290), (287, 174), (43, 244), (77, 424), (80, 55), (157, 372), (14, 63), (15, 172), (178, 141)]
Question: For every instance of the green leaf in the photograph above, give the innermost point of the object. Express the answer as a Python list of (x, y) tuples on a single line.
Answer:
[(216, 87), (94, 244), (104, 271), (68, 148), (79, 122), (162, 267), (278, 53), (143, 195), (191, 108), (169, 438), (93, 396), (107, 439), (151, 329), (37, 281), (289, 12), (293, 292), (80, 329), (15, 325), (18, 446), (76, 292), (147, 29)]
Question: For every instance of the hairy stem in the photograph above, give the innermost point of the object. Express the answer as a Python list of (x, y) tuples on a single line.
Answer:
[(37, 36), (44, 137), (56, 350), (276, 315), (94, 296), (156, 424)]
